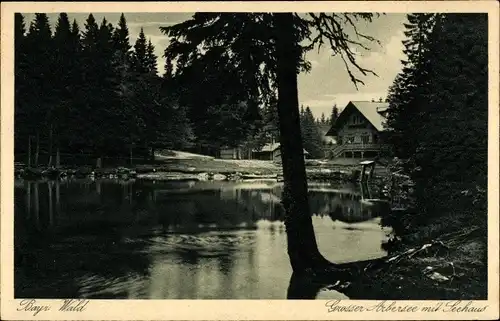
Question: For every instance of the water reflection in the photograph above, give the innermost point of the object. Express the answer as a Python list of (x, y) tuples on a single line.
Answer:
[(185, 240)]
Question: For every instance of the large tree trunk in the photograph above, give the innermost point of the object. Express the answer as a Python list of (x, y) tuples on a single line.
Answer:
[(302, 247)]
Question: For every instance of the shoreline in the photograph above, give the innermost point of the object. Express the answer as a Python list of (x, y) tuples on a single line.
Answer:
[(197, 170)]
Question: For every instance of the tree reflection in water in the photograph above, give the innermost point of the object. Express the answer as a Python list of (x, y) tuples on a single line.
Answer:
[(224, 240)]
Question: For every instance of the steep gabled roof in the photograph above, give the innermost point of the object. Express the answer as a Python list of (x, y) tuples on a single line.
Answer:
[(373, 111), (272, 147)]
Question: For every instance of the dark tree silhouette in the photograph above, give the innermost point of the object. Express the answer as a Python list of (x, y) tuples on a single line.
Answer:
[(335, 115), (68, 82), (266, 52)]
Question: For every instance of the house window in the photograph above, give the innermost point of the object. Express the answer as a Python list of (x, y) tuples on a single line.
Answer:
[(375, 138), (357, 120), (365, 139)]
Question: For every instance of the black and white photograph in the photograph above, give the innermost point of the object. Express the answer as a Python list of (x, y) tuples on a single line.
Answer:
[(257, 155)]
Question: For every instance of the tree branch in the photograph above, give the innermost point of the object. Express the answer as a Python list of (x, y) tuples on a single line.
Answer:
[(330, 30)]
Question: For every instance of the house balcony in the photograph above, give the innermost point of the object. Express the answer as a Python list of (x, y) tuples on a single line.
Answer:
[(358, 150)]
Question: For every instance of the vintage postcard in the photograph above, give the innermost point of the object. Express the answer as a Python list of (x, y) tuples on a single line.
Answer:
[(250, 160)]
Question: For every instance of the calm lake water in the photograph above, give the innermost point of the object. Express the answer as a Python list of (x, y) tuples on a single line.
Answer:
[(113, 239)]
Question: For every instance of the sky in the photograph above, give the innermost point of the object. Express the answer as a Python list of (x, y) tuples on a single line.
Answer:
[(327, 83)]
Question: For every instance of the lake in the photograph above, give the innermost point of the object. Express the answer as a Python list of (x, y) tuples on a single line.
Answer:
[(111, 239)]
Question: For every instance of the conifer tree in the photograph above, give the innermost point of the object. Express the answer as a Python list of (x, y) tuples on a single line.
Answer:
[(19, 28), (90, 35), (151, 58), (19, 50), (121, 37), (122, 58), (94, 91), (438, 111), (277, 56), (64, 56), (335, 115), (140, 62), (22, 115), (453, 130), (109, 100), (311, 135), (40, 79), (144, 102), (407, 91), (322, 120), (75, 29), (76, 124)]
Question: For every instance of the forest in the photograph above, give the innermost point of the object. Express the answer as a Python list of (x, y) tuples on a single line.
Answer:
[(438, 117), (88, 92)]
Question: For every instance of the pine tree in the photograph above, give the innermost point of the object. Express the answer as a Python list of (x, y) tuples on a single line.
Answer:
[(90, 35), (77, 123), (453, 147), (97, 73), (140, 61), (19, 33), (111, 110), (40, 79), (265, 51), (121, 37), (335, 115), (438, 113), (122, 58), (19, 51), (209, 91), (407, 91), (145, 104), (322, 120), (311, 135), (65, 54), (21, 111), (75, 29), (89, 106), (151, 58)]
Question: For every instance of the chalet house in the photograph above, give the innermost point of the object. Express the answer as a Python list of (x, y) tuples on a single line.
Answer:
[(359, 130), (271, 152)]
